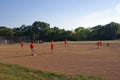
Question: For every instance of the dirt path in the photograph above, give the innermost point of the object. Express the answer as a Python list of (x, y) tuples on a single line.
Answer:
[(77, 58)]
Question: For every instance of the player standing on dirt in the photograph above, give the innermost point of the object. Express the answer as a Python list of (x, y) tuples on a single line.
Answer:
[(65, 42), (108, 44), (33, 53), (98, 44), (52, 46), (22, 44)]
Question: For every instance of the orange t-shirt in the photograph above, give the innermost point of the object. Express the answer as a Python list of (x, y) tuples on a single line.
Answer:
[(52, 46), (22, 44), (100, 43), (31, 46), (65, 41)]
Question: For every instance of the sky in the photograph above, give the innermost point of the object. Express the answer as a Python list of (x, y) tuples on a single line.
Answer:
[(65, 14)]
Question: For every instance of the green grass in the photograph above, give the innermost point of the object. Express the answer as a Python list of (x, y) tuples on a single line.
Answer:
[(16, 72)]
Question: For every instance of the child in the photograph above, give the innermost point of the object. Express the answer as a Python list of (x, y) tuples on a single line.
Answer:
[(52, 46), (33, 53), (98, 44), (65, 42), (22, 44), (108, 44)]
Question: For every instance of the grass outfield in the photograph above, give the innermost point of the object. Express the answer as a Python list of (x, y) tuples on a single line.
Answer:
[(16, 72)]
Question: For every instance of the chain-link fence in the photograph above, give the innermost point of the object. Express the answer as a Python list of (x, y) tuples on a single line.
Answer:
[(13, 39)]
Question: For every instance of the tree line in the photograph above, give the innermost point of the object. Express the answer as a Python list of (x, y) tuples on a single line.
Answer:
[(42, 31)]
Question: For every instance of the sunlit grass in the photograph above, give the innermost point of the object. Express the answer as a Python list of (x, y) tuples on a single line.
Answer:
[(16, 72)]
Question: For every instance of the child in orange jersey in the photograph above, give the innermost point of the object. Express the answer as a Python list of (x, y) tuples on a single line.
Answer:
[(52, 46), (22, 44), (32, 49), (65, 42), (98, 44), (108, 44)]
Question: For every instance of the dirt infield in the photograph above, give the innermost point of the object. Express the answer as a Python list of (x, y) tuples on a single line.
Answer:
[(76, 58)]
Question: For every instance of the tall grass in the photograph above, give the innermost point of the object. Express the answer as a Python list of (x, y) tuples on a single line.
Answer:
[(16, 72)]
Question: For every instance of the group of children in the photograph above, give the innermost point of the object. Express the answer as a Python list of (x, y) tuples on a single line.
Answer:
[(99, 44), (33, 53)]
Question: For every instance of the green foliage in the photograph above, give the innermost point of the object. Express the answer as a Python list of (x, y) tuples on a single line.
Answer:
[(4, 31), (16, 72), (106, 32), (82, 33), (42, 31)]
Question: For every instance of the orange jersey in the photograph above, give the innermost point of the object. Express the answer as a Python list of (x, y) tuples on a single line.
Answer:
[(108, 44), (65, 41), (52, 46), (22, 44), (31, 46), (100, 43)]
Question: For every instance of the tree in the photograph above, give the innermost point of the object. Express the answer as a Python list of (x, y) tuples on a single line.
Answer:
[(4, 31), (40, 30), (17, 32), (77, 31), (97, 32), (111, 31), (56, 34), (106, 32), (82, 33)]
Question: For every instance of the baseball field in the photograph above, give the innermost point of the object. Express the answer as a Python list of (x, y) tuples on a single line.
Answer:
[(76, 58)]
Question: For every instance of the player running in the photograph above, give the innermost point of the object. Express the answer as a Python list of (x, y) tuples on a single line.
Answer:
[(52, 46), (22, 44), (65, 42), (33, 53), (98, 44)]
